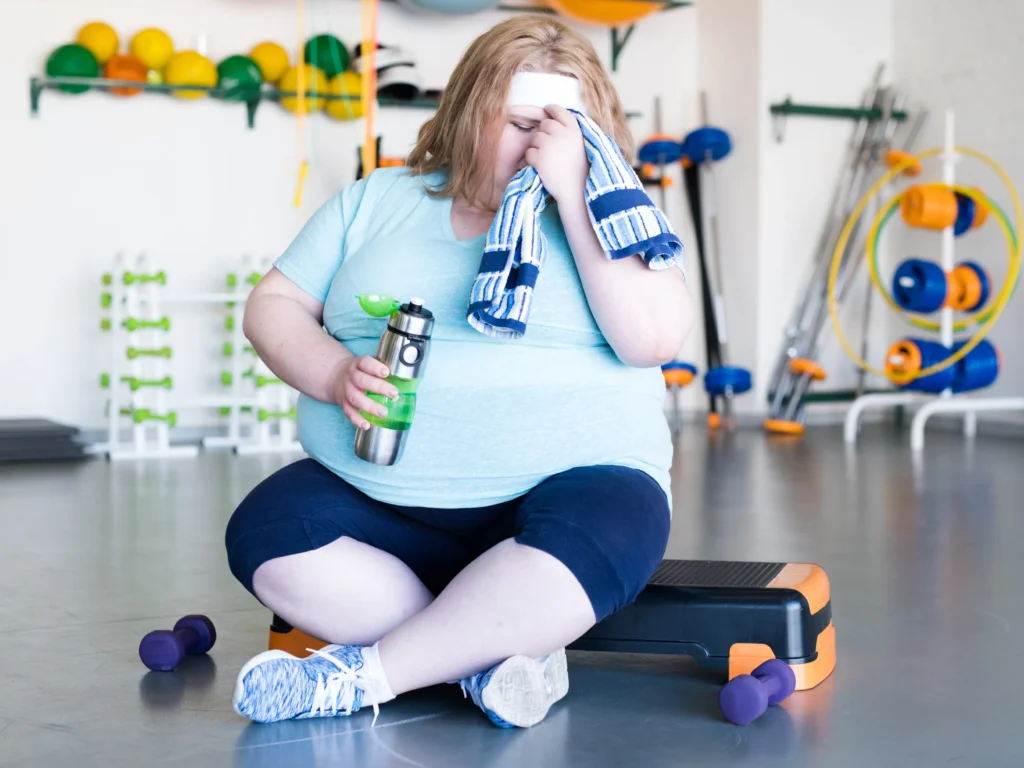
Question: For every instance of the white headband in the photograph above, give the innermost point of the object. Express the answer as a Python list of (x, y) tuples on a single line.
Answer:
[(538, 89)]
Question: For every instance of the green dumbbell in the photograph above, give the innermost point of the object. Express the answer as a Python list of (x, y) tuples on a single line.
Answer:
[(264, 415), (262, 381), (229, 349), (105, 324), (140, 415), (136, 384), (132, 324), (104, 381), (132, 277), (253, 278), (225, 410), (106, 300), (229, 323), (107, 279), (232, 280), (134, 352)]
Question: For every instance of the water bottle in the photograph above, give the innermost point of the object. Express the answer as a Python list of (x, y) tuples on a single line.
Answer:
[(403, 348)]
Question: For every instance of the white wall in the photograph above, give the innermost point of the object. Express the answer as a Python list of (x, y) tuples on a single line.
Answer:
[(817, 52), (968, 57), (190, 185), (730, 53), (773, 196)]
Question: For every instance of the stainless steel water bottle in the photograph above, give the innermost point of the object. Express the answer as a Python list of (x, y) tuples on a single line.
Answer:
[(404, 347)]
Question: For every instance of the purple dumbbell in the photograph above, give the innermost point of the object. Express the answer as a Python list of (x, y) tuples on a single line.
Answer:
[(163, 649), (746, 697)]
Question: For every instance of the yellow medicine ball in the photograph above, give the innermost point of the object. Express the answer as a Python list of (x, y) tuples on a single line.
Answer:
[(315, 81), (190, 68), (101, 40), (154, 47), (345, 84), (272, 60)]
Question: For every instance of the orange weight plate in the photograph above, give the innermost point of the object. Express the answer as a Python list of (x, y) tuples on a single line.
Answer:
[(896, 157), (931, 206), (782, 427), (678, 377), (801, 366)]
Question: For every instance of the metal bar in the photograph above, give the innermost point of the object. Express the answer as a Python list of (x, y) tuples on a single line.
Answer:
[(787, 108), (38, 84)]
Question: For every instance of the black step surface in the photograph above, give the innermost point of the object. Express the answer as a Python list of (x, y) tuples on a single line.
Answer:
[(714, 573)]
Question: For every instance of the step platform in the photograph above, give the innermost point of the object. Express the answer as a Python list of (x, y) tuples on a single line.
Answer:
[(24, 440), (729, 616)]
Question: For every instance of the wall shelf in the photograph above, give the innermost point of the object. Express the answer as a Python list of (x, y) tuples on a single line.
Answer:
[(39, 84)]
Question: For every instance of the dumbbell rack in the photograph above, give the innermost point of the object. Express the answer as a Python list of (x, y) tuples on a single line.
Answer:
[(261, 409), (137, 326), (134, 315), (944, 402)]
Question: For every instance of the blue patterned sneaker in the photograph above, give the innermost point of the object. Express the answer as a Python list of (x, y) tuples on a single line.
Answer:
[(519, 692), (333, 681)]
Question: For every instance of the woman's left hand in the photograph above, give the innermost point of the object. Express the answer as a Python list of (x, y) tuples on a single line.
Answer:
[(558, 154)]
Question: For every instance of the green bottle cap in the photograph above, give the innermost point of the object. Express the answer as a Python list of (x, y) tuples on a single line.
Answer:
[(376, 305)]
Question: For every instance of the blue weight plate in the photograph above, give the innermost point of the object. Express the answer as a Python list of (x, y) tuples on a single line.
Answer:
[(661, 151), (676, 365), (718, 380), (919, 286), (698, 143), (964, 214)]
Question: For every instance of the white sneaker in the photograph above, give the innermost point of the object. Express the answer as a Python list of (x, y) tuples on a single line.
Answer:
[(519, 692), (275, 685)]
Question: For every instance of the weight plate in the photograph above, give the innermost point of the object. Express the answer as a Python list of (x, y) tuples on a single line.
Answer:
[(698, 143), (660, 149), (718, 381)]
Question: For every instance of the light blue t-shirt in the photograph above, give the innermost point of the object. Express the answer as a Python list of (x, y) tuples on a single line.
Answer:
[(494, 417)]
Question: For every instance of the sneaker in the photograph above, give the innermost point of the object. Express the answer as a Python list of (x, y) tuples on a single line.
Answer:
[(519, 692), (275, 685)]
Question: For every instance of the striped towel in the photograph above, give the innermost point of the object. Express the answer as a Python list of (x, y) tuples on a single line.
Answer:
[(625, 219)]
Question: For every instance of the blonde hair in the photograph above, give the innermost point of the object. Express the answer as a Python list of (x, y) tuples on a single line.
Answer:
[(456, 136)]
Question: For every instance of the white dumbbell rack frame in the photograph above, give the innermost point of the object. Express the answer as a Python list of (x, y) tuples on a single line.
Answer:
[(944, 402), (151, 439), (148, 439)]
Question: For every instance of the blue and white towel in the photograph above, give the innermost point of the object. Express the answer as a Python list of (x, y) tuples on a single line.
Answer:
[(625, 219)]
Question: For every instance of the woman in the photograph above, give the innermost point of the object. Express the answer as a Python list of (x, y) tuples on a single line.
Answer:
[(532, 499)]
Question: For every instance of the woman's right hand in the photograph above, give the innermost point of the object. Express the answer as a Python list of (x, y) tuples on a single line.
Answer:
[(353, 378)]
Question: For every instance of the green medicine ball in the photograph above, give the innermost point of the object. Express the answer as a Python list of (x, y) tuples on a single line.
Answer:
[(327, 53), (72, 60), (240, 78)]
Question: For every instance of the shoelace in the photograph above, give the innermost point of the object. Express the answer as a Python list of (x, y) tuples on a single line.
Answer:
[(337, 692)]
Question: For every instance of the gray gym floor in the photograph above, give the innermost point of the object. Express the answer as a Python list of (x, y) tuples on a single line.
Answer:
[(927, 586)]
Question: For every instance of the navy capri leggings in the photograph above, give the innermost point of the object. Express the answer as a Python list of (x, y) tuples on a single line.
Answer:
[(607, 524)]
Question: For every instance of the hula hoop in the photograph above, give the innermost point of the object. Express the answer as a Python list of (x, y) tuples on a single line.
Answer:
[(874, 235), (1001, 300)]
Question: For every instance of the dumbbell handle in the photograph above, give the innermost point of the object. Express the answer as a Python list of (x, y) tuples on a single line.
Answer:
[(771, 683), (189, 638)]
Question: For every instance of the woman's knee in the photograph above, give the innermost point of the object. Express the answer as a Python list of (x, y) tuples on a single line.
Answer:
[(273, 520), (608, 525)]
